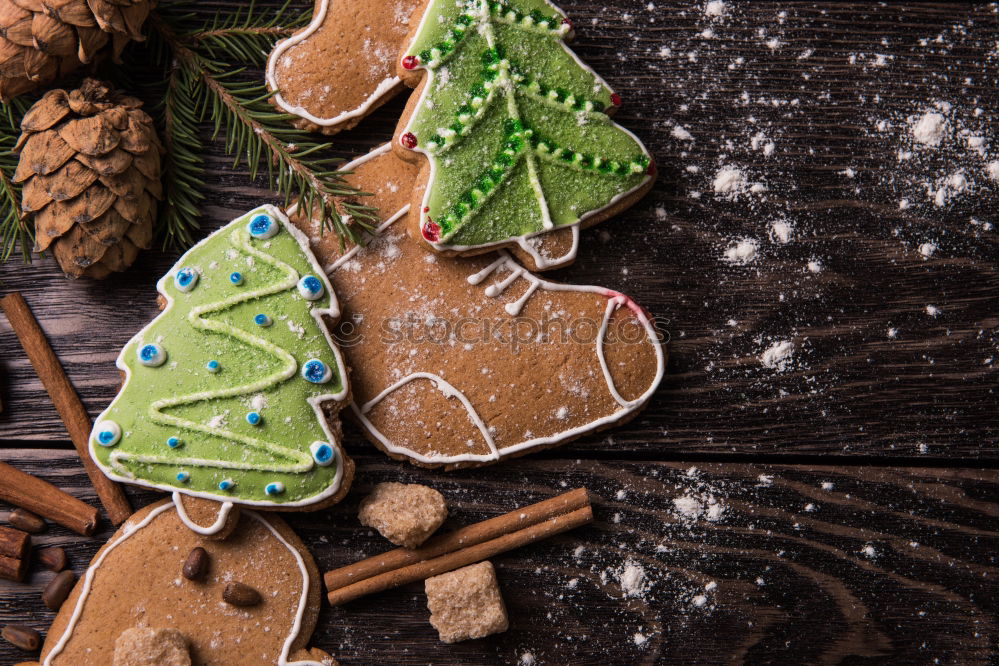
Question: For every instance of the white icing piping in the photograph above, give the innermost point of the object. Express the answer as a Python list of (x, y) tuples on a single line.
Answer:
[(540, 262), (214, 528), (315, 402), (129, 530), (380, 91), (448, 391), (357, 248)]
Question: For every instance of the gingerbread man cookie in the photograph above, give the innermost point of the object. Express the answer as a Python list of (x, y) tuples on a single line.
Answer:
[(252, 598), (464, 361), (232, 393)]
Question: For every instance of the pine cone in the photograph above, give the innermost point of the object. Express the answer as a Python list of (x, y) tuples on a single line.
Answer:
[(90, 168), (43, 40)]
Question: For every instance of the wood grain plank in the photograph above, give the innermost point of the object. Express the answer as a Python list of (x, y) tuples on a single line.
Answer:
[(769, 563), (836, 88)]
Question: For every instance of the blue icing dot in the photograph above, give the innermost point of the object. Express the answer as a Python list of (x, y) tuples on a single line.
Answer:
[(263, 226), (236, 278), (316, 371), (275, 488), (322, 453), (262, 320), (186, 279), (173, 442), (254, 418), (152, 355), (310, 288), (108, 433), (213, 366), (183, 477), (227, 484)]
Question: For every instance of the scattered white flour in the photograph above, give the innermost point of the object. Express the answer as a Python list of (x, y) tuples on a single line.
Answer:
[(815, 266), (930, 128), (527, 659), (640, 639), (632, 579), (869, 551), (933, 310), (742, 252), (716, 8), (781, 232), (680, 133), (927, 250), (778, 356), (729, 181), (688, 506)]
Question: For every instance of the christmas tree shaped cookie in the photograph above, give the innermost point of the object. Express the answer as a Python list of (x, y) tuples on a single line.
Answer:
[(223, 390), (514, 128)]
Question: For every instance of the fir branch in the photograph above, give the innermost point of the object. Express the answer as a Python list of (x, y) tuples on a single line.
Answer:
[(254, 132), (14, 229)]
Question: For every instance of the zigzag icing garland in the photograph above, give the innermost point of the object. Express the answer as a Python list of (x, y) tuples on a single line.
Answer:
[(222, 410)]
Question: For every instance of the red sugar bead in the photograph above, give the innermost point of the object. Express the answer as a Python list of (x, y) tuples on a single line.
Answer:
[(431, 231), (651, 169), (408, 140), (410, 62), (616, 99)]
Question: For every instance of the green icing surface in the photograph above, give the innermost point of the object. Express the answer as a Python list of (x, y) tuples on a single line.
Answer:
[(513, 124), (260, 371)]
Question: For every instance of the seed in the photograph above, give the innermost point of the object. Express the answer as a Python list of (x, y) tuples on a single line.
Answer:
[(239, 594), (23, 637), (196, 564), (53, 558), (26, 521), (58, 589)]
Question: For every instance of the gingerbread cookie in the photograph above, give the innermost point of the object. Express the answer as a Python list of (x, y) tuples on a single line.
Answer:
[(225, 390), (465, 361), (342, 66), (511, 128), (254, 600)]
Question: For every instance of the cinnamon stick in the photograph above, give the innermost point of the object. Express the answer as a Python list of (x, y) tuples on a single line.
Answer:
[(464, 546), (65, 398), (41, 497), (15, 546)]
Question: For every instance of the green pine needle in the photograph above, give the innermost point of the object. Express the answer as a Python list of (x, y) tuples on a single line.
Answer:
[(14, 229)]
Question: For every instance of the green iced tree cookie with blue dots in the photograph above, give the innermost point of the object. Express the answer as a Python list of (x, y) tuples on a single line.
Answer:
[(223, 389)]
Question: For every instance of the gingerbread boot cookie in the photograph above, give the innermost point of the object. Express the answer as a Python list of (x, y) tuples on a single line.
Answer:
[(342, 66), (464, 361), (157, 593)]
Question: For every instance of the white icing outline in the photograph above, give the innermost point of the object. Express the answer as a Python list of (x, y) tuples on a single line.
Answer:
[(315, 402), (214, 528), (129, 530), (615, 300), (520, 240), (381, 90)]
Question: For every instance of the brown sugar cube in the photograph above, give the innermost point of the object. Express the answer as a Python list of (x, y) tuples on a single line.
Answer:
[(140, 646), (405, 514), (466, 603)]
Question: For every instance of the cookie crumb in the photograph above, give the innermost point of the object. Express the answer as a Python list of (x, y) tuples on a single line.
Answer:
[(405, 514), (466, 603), (140, 646)]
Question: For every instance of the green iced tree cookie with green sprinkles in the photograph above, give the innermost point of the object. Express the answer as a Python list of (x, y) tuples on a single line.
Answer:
[(514, 127), (223, 390)]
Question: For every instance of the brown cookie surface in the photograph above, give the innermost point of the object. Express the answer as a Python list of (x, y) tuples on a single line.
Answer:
[(467, 360), (136, 580), (341, 67)]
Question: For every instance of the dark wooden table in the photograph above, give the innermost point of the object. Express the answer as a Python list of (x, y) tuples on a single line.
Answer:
[(838, 507)]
